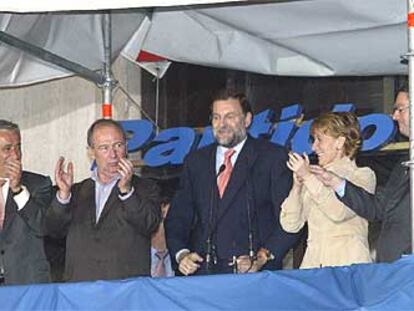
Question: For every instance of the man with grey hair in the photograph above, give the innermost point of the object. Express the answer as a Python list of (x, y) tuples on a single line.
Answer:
[(24, 198)]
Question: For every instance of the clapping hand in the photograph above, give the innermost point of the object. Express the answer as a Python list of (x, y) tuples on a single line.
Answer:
[(299, 165), (64, 178), (13, 168), (126, 170)]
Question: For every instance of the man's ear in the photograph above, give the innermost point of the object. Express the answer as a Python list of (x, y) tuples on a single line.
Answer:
[(248, 119), (91, 153)]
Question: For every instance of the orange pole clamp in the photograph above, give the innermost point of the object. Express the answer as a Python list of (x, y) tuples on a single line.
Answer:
[(107, 111), (410, 19)]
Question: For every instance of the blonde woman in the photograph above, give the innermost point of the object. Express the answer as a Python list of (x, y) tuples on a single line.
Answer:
[(336, 235)]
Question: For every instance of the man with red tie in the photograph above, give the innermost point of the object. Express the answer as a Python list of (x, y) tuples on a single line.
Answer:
[(224, 217)]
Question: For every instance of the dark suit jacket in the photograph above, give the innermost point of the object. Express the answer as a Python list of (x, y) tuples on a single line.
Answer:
[(116, 247), (21, 240), (260, 182), (391, 207)]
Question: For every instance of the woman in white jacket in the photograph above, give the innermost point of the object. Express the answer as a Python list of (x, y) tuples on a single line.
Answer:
[(336, 235)]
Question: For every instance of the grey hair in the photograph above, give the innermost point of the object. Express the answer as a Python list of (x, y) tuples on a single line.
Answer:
[(9, 126)]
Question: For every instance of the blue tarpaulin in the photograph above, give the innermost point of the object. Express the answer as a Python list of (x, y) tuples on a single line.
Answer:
[(357, 287)]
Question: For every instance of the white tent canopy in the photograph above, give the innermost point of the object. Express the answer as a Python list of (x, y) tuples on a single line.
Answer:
[(25, 6), (75, 37), (296, 38)]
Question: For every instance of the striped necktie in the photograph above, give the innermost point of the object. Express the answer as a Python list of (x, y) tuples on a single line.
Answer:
[(225, 176), (160, 270)]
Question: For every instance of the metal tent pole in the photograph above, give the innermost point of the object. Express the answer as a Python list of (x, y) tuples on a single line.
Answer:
[(157, 100), (109, 81)]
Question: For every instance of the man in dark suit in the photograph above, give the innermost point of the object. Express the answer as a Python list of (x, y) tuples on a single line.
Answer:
[(225, 216), (109, 218), (24, 198), (392, 206)]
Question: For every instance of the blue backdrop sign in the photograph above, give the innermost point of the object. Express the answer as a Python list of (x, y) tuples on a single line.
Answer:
[(171, 146)]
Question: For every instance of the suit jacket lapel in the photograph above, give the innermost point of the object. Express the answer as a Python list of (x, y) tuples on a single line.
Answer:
[(87, 195), (239, 175), (10, 206), (10, 210), (212, 174), (403, 184)]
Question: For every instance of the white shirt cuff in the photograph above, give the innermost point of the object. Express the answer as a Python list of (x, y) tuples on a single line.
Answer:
[(61, 201), (340, 190), (22, 198), (181, 253), (126, 196)]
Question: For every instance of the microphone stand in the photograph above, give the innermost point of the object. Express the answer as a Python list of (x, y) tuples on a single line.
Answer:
[(210, 252), (2, 272), (249, 195)]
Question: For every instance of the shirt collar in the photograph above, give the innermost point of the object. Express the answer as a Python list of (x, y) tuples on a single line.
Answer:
[(237, 148), (94, 177)]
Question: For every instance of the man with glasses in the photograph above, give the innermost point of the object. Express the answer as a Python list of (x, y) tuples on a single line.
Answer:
[(225, 215), (107, 219), (391, 206), (24, 198)]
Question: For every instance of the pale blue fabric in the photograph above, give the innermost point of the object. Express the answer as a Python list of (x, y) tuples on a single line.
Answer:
[(357, 287)]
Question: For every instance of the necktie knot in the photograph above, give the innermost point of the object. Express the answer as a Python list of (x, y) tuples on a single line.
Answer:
[(228, 154), (160, 269), (161, 254)]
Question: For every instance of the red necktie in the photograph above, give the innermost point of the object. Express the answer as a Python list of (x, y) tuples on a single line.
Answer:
[(2, 205), (160, 266), (225, 176)]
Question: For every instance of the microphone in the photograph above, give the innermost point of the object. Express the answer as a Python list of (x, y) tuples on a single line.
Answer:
[(313, 159), (210, 247)]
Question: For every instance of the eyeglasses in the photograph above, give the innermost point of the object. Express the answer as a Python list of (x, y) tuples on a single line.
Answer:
[(400, 109), (229, 117), (105, 148)]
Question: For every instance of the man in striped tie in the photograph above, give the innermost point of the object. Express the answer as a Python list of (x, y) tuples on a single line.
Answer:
[(224, 217)]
